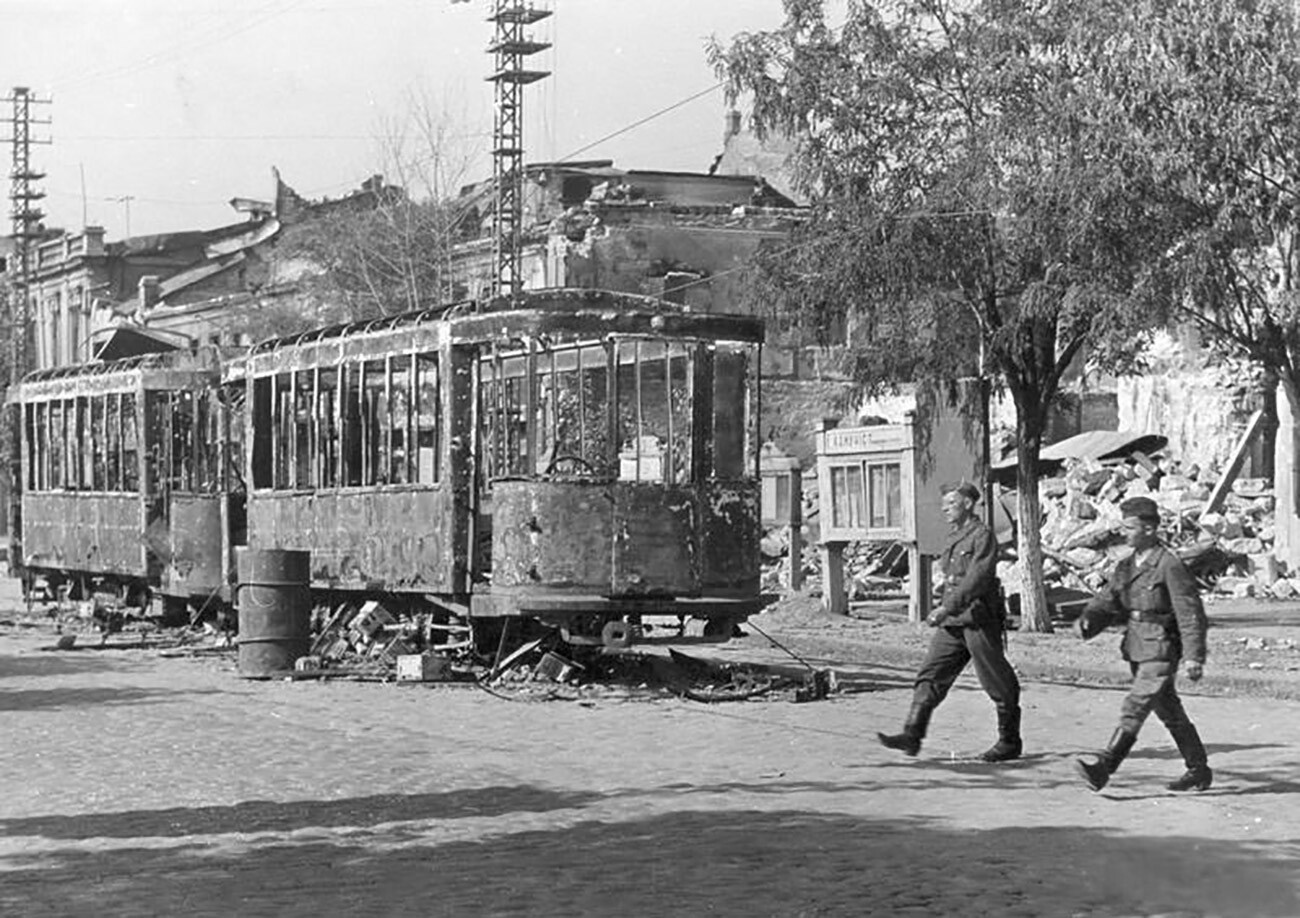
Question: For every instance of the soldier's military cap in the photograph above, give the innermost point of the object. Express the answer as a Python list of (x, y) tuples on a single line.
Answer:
[(965, 489), (1143, 508)]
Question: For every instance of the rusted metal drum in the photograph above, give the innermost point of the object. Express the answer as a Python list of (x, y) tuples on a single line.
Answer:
[(274, 610)]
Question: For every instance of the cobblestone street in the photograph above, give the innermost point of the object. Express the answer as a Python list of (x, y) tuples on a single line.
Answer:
[(144, 785)]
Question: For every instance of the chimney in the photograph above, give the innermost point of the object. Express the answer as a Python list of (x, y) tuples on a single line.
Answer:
[(94, 241), (149, 289)]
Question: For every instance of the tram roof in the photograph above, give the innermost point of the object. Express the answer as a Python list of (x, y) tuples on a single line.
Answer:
[(46, 382), (470, 318)]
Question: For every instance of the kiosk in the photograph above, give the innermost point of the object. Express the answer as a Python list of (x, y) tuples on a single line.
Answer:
[(883, 483)]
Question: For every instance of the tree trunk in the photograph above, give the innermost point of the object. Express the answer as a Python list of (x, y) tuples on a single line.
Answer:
[(1034, 614), (1286, 479)]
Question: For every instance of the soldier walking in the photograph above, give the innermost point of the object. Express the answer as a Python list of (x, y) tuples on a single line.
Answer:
[(1154, 597), (969, 625)]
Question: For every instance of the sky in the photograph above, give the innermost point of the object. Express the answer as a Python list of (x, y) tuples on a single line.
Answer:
[(161, 111)]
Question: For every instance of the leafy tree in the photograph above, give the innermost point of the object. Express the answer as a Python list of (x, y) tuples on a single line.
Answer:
[(1209, 92), (974, 207)]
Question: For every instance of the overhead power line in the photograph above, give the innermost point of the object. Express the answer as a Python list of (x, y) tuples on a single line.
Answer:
[(637, 124)]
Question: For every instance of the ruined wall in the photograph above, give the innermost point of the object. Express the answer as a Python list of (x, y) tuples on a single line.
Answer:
[(634, 247), (792, 409), (1201, 407)]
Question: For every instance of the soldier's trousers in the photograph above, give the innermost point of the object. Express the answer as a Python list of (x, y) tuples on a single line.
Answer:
[(950, 650), (1153, 690)]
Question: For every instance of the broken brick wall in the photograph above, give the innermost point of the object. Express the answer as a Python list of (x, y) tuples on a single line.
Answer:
[(1202, 407)]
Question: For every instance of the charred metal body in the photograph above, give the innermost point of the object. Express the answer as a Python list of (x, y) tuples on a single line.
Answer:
[(123, 485), (582, 458)]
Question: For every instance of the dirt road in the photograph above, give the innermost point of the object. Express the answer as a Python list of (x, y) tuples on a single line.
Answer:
[(142, 785)]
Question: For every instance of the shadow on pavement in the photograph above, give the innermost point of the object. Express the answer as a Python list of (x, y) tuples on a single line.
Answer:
[(268, 816), (40, 699), (684, 863), (1212, 748), (61, 665)]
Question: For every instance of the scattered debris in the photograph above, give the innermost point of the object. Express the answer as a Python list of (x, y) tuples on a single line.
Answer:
[(1221, 525)]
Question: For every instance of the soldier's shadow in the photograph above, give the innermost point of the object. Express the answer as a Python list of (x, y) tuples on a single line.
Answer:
[(1212, 749), (1227, 783)]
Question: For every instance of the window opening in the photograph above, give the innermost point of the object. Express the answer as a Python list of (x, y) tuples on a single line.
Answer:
[(182, 441), (130, 444), (428, 419), (283, 439), (399, 379), (99, 441), (655, 394), (327, 439), (262, 428), (732, 407), (885, 496), (847, 497), (303, 407), (57, 439), (85, 445), (29, 427), (375, 422), (351, 422), (113, 441)]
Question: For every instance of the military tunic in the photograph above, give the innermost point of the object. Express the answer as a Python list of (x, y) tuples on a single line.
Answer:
[(973, 623), (1164, 621)]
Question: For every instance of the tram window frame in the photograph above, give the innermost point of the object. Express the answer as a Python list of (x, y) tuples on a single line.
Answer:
[(375, 421), (40, 439), (327, 431), (113, 441), (99, 443), (129, 418), (363, 423), (85, 445), (401, 378), (655, 392), (262, 418), (29, 430), (351, 433), (58, 439), (156, 421), (735, 435), (427, 418), (303, 403), (282, 438), (182, 453), (506, 390)]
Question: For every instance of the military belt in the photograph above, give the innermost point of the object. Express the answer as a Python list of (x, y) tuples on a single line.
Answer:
[(1156, 618)]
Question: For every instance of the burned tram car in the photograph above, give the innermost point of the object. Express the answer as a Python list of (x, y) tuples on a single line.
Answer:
[(124, 486), (584, 459), (581, 459)]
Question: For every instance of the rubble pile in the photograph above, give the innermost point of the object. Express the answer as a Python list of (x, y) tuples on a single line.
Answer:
[(370, 640), (1228, 550)]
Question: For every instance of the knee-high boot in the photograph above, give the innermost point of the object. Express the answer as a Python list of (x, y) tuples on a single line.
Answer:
[(1098, 772), (909, 740), (1198, 775), (1008, 745)]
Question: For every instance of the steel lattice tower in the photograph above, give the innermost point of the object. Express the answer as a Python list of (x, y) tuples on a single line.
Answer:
[(26, 227), (510, 48), (25, 219)]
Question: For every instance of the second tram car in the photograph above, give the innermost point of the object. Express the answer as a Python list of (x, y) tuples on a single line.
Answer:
[(583, 458)]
